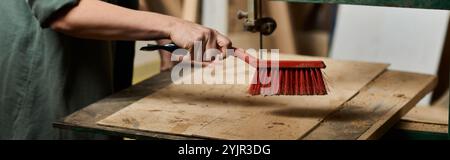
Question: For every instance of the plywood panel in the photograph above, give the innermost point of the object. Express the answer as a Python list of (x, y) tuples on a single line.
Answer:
[(376, 108), (422, 127), (227, 112), (428, 114)]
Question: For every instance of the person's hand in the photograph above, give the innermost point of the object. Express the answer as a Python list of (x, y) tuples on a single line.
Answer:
[(185, 34), (165, 56)]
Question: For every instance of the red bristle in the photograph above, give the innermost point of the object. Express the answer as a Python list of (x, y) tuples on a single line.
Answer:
[(293, 78), (308, 82), (278, 81), (321, 82), (275, 79), (268, 80), (317, 86), (260, 84), (254, 89), (264, 81), (321, 85), (264, 77), (285, 81), (302, 79), (313, 81), (293, 82), (288, 81), (297, 81), (282, 82)]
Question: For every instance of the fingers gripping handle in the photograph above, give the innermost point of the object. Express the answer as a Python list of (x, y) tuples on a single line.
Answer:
[(171, 47), (153, 47)]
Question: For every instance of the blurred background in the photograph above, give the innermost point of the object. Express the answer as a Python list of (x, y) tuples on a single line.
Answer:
[(414, 40)]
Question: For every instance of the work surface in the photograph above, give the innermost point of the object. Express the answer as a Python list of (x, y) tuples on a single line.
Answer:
[(364, 101)]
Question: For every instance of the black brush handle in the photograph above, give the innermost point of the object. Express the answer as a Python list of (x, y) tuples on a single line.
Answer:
[(171, 47)]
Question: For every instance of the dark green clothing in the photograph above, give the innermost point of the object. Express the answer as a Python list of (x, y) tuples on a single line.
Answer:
[(45, 75), (124, 54)]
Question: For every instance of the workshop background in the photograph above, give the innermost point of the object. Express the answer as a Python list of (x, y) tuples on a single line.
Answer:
[(349, 32)]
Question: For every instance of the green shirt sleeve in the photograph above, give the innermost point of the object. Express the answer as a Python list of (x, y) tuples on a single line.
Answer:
[(44, 10)]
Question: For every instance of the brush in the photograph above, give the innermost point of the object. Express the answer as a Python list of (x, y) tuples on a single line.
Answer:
[(276, 77)]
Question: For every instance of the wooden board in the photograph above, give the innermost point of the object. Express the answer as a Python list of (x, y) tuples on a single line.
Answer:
[(428, 114), (376, 108), (85, 120), (422, 127), (227, 112)]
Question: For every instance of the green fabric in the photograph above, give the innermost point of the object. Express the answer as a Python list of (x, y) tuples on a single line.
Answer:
[(43, 10), (45, 75)]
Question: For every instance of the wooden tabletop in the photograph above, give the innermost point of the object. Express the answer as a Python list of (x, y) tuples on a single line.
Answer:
[(362, 117)]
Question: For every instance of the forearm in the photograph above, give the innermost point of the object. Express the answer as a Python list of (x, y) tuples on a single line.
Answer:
[(95, 19)]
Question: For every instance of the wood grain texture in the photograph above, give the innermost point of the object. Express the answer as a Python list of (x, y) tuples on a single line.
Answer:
[(422, 127), (428, 83), (85, 120), (227, 112), (376, 108), (428, 114)]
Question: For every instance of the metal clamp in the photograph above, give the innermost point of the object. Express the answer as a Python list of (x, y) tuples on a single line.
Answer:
[(255, 23)]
